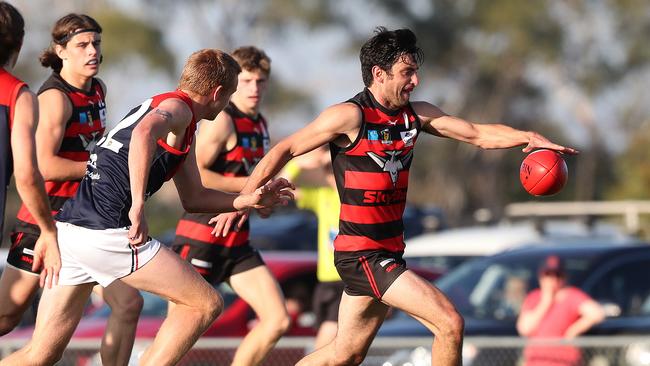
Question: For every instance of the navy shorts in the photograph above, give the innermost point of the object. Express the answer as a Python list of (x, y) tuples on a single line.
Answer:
[(369, 272), (217, 265), (327, 298), (21, 254)]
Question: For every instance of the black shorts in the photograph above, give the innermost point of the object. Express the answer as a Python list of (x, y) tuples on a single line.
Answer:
[(327, 297), (369, 272), (21, 254), (215, 264)]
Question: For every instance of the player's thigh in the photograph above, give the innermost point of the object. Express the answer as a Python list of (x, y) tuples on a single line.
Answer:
[(421, 299), (172, 278), (17, 289), (359, 319), (260, 290)]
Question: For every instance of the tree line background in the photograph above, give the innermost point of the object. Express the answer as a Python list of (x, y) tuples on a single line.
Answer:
[(576, 71)]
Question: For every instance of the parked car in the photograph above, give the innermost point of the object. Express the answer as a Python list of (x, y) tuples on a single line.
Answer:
[(447, 249), (614, 275)]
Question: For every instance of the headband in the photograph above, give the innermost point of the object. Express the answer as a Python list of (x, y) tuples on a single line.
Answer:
[(78, 31)]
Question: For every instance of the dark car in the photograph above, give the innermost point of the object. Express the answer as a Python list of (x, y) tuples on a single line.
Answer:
[(614, 275)]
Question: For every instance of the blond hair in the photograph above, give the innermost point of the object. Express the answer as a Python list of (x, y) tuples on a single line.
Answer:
[(208, 68)]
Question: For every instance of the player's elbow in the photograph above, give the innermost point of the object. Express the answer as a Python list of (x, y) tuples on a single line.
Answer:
[(191, 204), (27, 177)]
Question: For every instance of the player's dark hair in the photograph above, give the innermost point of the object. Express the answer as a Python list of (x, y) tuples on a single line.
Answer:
[(252, 59), (386, 48), (12, 31), (63, 31)]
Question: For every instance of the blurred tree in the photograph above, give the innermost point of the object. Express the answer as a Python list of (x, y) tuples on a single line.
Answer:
[(126, 36)]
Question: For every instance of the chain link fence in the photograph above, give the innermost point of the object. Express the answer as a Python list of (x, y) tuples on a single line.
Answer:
[(477, 351)]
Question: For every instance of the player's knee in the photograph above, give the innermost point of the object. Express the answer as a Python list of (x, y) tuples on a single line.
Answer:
[(280, 325), (453, 326), (127, 307), (212, 306)]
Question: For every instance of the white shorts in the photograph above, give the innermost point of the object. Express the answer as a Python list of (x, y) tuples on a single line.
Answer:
[(101, 256)]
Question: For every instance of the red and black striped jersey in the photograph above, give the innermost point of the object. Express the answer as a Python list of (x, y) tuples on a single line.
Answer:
[(9, 88), (82, 131), (252, 143), (372, 177), (103, 199)]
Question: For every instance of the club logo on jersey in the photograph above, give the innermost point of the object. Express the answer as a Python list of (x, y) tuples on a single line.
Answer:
[(385, 137), (373, 135), (393, 162), (253, 143), (91, 167), (245, 142), (408, 136)]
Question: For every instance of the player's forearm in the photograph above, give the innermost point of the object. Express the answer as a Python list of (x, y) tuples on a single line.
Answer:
[(498, 136), (268, 167), (209, 201), (31, 190), (56, 168), (213, 180)]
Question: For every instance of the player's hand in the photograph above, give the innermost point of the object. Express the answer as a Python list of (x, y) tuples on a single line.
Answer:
[(275, 192), (224, 222), (139, 230), (537, 141), (47, 256), (265, 213)]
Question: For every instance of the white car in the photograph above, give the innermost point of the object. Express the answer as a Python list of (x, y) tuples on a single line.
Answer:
[(446, 249)]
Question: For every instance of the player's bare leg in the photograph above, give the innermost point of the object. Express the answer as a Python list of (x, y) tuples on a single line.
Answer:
[(261, 291), (197, 305), (326, 333), (430, 306), (17, 290), (125, 303), (359, 320), (59, 312)]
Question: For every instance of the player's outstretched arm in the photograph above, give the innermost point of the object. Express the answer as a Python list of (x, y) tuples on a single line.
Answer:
[(337, 123), (486, 136), (196, 198), (31, 188)]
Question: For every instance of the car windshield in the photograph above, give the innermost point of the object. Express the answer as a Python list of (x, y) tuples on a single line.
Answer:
[(155, 306), (495, 287)]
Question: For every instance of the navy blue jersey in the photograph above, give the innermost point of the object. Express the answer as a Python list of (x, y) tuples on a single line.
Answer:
[(103, 199)]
